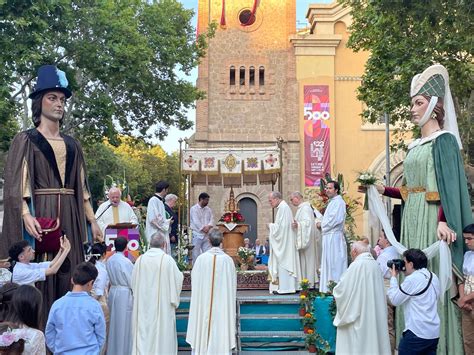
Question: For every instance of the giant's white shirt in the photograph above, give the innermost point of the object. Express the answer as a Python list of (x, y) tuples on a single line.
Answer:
[(125, 215), (156, 285), (211, 324), (306, 242), (283, 262), (361, 317), (156, 221)]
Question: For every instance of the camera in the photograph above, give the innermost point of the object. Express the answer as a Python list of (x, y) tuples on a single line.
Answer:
[(399, 264)]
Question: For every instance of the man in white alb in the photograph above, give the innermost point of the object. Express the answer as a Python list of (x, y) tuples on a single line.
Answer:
[(305, 227), (115, 211), (156, 219), (283, 263), (334, 256), (202, 222)]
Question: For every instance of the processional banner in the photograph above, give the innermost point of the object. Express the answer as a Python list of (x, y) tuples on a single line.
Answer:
[(316, 133)]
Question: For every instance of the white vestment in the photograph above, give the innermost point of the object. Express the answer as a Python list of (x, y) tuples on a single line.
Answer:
[(211, 324), (156, 284), (306, 242), (361, 317), (123, 214), (283, 263), (120, 303), (156, 221), (334, 255)]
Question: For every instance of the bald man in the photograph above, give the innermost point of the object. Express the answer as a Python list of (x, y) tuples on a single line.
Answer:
[(114, 211)]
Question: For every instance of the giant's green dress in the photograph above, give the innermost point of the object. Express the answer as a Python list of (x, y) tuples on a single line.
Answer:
[(437, 163)]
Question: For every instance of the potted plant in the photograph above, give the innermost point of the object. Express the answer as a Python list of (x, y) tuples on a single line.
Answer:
[(310, 341), (304, 284), (308, 322)]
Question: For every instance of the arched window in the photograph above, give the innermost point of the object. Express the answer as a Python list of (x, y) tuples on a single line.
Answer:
[(242, 76), (261, 76), (232, 75), (252, 76), (248, 209)]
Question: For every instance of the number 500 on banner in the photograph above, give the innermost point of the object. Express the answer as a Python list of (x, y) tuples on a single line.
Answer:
[(316, 115)]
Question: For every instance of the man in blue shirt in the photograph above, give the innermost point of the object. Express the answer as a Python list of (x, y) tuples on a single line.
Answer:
[(76, 324)]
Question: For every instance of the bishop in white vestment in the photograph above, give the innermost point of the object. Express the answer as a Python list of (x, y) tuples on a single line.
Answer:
[(305, 227), (120, 301), (156, 285), (211, 324), (114, 211), (361, 317), (283, 263), (334, 255)]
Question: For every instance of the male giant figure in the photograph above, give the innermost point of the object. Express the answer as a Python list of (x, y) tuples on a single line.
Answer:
[(120, 302), (334, 256), (46, 167), (211, 325), (115, 211), (156, 284), (156, 219), (283, 263), (361, 317), (305, 227)]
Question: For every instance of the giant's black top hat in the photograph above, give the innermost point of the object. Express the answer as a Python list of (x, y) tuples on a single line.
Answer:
[(50, 78)]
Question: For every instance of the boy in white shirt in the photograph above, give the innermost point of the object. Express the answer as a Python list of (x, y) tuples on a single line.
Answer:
[(27, 273), (466, 292)]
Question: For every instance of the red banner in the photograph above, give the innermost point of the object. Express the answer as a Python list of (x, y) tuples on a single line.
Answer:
[(316, 133)]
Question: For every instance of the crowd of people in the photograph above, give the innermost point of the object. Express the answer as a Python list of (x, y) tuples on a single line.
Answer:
[(126, 308)]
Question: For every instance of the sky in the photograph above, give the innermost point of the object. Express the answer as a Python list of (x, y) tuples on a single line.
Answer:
[(170, 143)]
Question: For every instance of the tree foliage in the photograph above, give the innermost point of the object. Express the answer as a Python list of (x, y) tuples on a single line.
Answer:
[(404, 37), (122, 59), (141, 164)]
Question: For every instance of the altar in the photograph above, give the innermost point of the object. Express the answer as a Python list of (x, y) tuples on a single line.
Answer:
[(233, 238)]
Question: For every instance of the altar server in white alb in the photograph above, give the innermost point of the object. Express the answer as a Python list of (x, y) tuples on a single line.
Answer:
[(156, 218), (283, 263), (361, 317), (114, 211), (120, 302), (305, 227), (156, 285), (211, 325), (334, 256)]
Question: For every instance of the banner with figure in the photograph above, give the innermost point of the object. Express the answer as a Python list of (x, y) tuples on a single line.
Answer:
[(316, 133)]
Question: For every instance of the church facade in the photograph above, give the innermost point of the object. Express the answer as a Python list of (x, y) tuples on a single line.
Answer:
[(265, 81)]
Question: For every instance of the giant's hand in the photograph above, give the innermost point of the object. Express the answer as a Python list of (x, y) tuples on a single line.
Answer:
[(445, 233), (363, 188), (96, 233), (32, 226)]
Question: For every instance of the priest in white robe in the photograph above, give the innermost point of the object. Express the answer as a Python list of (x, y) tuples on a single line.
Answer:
[(361, 317), (156, 285), (211, 324), (156, 218), (114, 211), (305, 227), (334, 255), (283, 263), (120, 301)]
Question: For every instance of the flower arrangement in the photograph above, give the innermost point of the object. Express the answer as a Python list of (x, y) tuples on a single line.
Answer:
[(232, 217), (182, 251), (12, 336), (246, 255), (366, 178)]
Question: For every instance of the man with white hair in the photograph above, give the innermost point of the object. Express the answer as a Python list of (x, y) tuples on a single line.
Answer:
[(306, 233), (156, 285), (115, 211), (211, 325), (283, 263), (361, 306), (170, 203)]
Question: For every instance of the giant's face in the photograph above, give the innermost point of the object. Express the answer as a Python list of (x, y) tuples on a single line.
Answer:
[(52, 106), (419, 105)]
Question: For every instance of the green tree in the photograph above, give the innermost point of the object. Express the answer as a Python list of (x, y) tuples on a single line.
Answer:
[(122, 59), (404, 37)]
